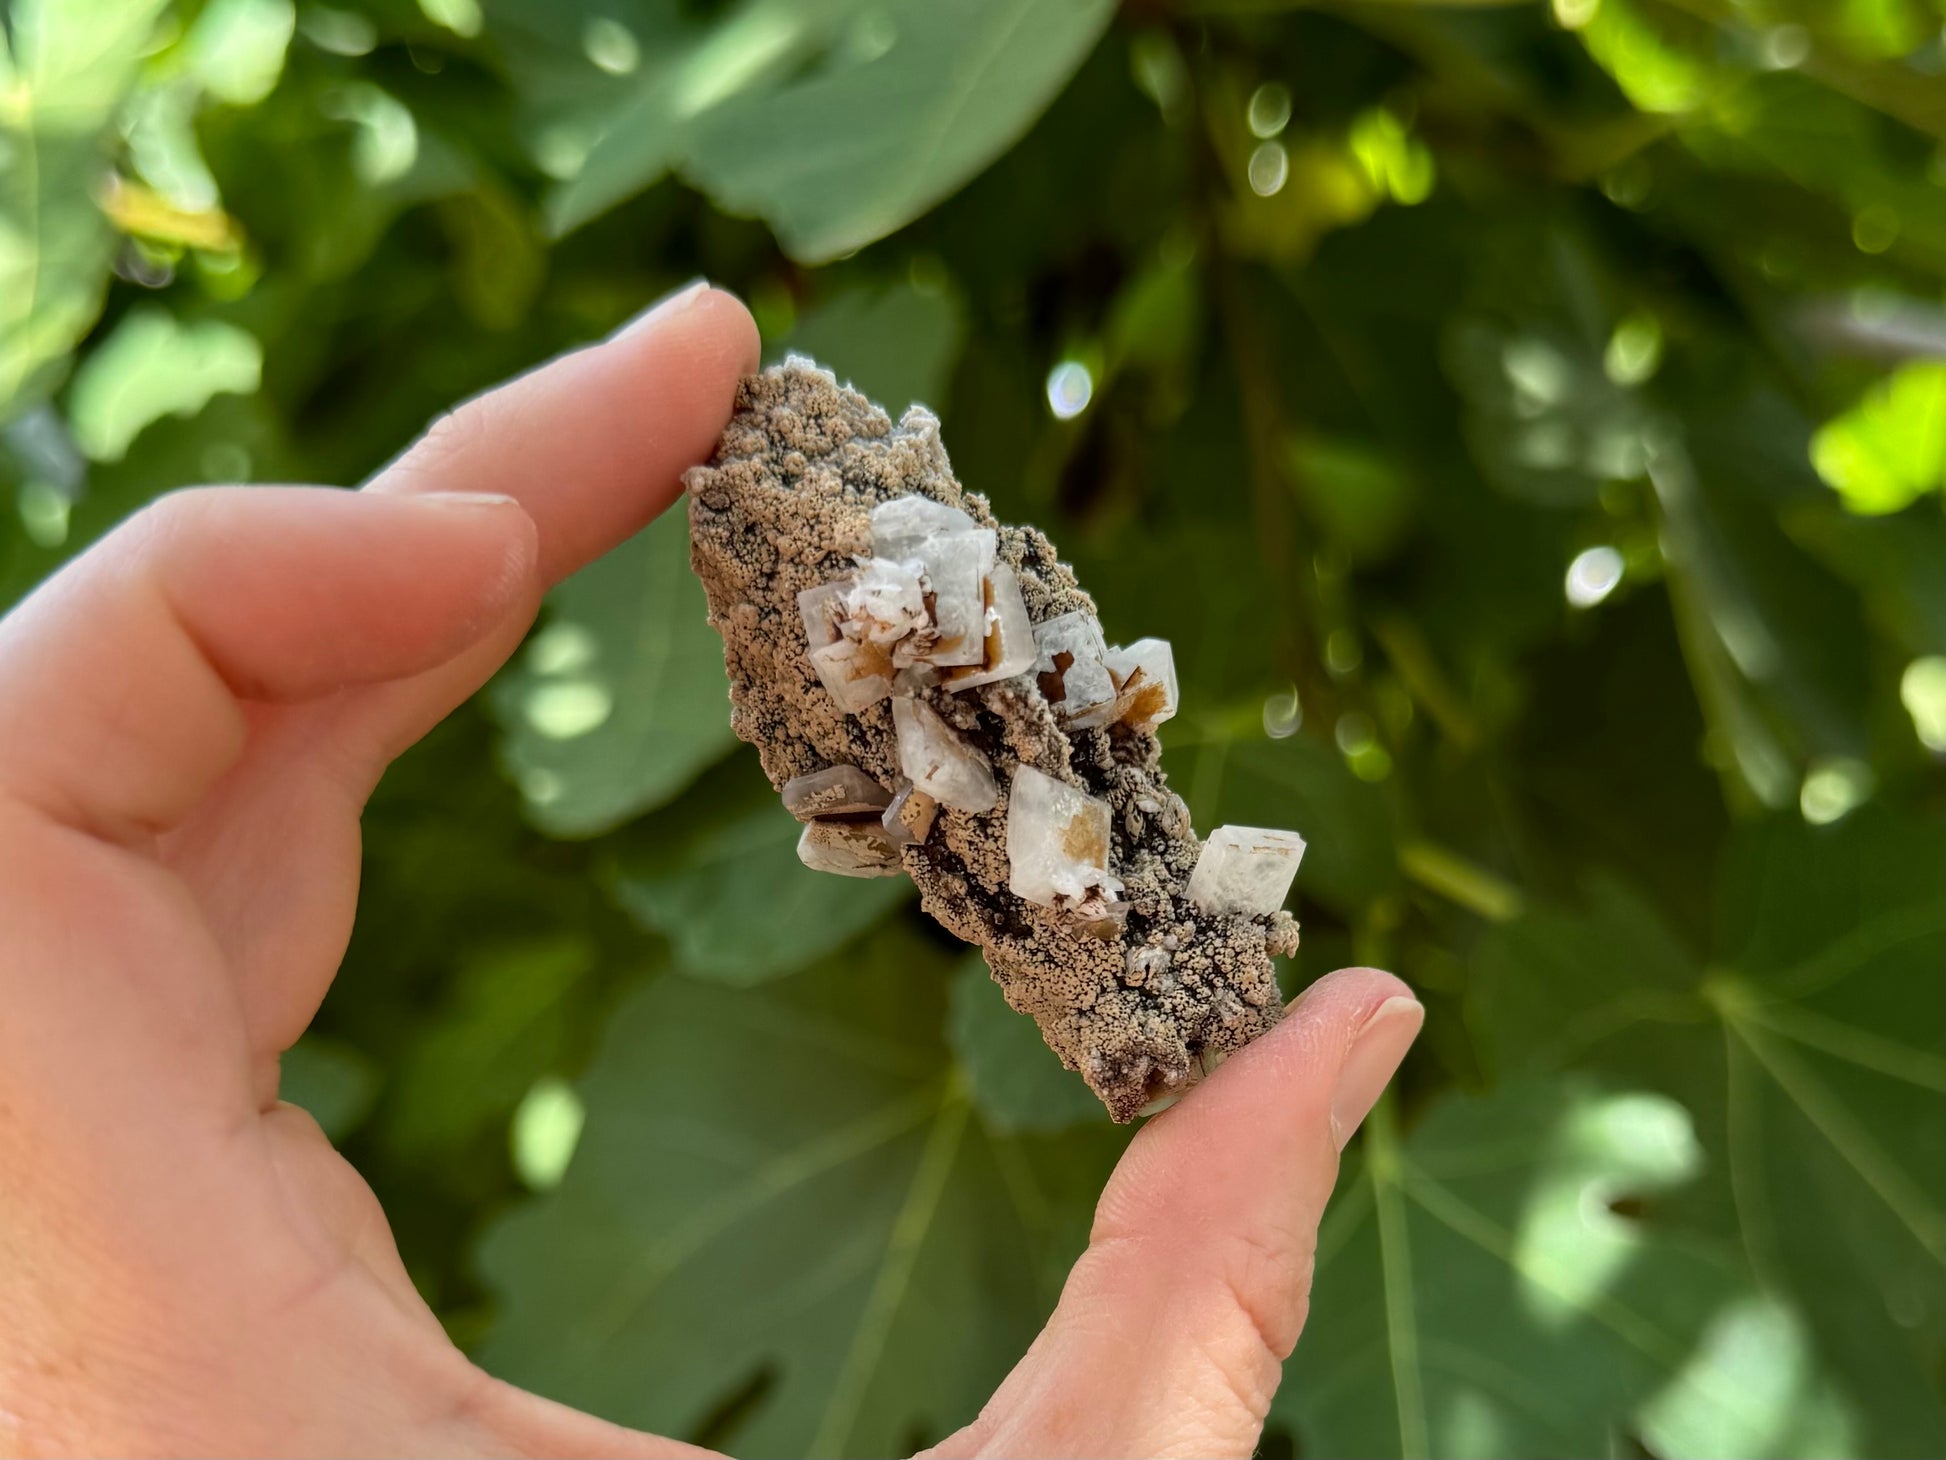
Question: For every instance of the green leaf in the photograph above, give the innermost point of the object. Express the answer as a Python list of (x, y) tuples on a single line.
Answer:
[(724, 885), (895, 343), (1813, 1052), (620, 701), (154, 366), (506, 1024), (787, 1182), (878, 141), (1477, 1295), (70, 65), (916, 98), (1014, 1080)]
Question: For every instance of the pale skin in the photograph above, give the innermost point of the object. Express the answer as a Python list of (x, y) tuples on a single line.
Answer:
[(192, 715)]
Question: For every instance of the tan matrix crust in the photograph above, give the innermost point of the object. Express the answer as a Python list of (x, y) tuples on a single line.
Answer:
[(784, 506)]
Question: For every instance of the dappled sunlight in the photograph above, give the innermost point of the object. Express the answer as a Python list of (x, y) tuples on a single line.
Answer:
[(1761, 1351), (1572, 1249)]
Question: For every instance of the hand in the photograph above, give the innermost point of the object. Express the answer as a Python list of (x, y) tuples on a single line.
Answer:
[(192, 715)]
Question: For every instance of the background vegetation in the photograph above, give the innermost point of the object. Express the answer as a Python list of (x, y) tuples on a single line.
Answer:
[(1529, 424)]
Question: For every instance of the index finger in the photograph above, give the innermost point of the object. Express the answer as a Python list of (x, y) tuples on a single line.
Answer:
[(594, 444)]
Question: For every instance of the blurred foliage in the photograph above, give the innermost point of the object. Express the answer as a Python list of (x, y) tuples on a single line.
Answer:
[(1526, 420)]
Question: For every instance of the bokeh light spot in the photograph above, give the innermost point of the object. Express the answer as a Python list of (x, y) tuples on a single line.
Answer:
[(461, 17), (1270, 169), (1834, 789), (610, 45), (1269, 111), (1634, 351), (1922, 689), (1283, 714), (1070, 387), (546, 1128), (1593, 575), (569, 709)]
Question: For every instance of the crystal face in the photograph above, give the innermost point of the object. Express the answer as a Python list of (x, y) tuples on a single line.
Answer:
[(908, 820), (899, 526), (1074, 676), (954, 554), (1010, 645), (821, 608), (1145, 678), (938, 762), (848, 848), (1057, 840), (839, 790), (886, 601), (1246, 870), (858, 675)]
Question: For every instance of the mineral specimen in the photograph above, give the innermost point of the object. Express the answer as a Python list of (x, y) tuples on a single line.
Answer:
[(1245, 869), (934, 695)]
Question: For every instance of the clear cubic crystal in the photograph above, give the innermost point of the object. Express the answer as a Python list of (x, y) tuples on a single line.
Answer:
[(839, 790), (899, 526), (821, 608), (1074, 676), (1010, 645), (955, 554), (849, 849), (956, 565), (937, 761), (1057, 840), (908, 820), (857, 674), (1246, 870), (1145, 679), (886, 601)]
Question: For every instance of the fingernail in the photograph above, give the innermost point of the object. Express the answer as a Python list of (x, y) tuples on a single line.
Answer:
[(469, 501), (1376, 1050), (667, 305)]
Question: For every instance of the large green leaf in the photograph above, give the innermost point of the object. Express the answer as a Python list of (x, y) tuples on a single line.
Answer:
[(616, 705), (506, 1024), (727, 889), (896, 343), (788, 1187), (1014, 1080), (69, 66), (904, 102), (1813, 1052), (1478, 1294)]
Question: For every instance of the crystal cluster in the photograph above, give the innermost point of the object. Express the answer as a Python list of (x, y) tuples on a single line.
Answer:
[(934, 696)]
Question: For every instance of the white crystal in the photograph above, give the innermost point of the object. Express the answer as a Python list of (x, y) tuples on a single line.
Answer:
[(857, 674), (1245, 869), (821, 608), (886, 601), (938, 762), (1010, 645), (848, 848), (1057, 840), (1145, 680), (899, 526), (955, 554), (1072, 648), (839, 790)]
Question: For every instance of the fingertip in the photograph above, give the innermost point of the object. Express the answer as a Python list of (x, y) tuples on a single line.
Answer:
[(710, 326), (1349, 993)]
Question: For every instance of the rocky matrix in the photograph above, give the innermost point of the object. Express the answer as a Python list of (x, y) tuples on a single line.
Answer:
[(932, 693)]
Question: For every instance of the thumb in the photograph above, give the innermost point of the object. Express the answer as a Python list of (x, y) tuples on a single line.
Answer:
[(1172, 1330)]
